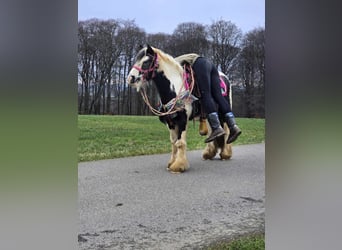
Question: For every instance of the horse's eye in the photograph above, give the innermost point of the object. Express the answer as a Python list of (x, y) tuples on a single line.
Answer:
[(146, 64)]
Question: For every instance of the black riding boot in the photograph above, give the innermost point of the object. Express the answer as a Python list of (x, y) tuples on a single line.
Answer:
[(216, 129), (234, 129)]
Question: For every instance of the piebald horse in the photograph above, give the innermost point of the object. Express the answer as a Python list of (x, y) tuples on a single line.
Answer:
[(153, 65)]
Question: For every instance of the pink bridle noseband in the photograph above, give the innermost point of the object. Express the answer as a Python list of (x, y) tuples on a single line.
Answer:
[(152, 68)]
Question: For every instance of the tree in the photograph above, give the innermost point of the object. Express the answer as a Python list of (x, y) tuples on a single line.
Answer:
[(106, 55), (86, 55), (224, 39), (97, 56), (160, 40), (130, 37), (109, 54), (189, 38), (251, 70)]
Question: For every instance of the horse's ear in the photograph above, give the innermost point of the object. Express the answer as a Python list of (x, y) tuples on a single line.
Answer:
[(149, 50)]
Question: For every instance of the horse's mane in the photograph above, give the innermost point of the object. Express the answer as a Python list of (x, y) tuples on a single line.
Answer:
[(164, 57)]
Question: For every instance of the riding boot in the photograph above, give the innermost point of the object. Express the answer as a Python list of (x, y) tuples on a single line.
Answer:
[(203, 130), (216, 129), (235, 131)]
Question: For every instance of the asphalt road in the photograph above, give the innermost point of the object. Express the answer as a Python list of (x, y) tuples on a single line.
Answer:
[(135, 203)]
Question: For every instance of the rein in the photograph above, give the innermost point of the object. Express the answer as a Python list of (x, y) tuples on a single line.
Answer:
[(176, 104)]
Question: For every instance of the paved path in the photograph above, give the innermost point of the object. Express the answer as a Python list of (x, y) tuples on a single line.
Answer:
[(135, 203)]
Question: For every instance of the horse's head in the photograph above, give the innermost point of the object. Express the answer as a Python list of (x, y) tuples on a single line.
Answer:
[(143, 70)]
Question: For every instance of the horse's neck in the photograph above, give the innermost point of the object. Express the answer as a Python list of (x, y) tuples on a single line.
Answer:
[(164, 87), (173, 74)]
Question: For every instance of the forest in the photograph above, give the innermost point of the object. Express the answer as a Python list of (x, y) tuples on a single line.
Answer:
[(106, 51)]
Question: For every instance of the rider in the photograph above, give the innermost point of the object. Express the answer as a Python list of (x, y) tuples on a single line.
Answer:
[(208, 81)]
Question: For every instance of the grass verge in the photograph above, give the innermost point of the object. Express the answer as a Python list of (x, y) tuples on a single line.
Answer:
[(107, 137), (252, 242)]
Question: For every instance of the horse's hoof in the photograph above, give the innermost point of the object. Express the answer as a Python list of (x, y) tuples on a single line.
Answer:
[(224, 158), (208, 156), (172, 172), (178, 168), (170, 164)]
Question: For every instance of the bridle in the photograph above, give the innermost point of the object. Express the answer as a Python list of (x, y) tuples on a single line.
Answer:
[(152, 68)]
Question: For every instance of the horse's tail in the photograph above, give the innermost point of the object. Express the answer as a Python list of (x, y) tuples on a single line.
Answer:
[(226, 88)]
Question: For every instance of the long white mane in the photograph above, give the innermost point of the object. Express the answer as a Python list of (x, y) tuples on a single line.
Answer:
[(171, 68)]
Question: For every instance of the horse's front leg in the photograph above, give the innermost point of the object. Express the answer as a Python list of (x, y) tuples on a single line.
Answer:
[(178, 136), (181, 162), (173, 139)]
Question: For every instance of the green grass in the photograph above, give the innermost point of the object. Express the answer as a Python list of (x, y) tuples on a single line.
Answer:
[(106, 137), (254, 242)]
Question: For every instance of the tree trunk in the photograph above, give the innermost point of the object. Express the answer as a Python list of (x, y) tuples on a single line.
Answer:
[(108, 102)]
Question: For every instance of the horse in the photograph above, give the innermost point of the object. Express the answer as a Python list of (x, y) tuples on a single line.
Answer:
[(177, 102)]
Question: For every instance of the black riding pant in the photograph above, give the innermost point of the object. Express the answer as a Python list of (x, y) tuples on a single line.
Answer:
[(208, 81)]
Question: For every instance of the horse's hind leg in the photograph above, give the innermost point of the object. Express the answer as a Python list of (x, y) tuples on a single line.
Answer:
[(210, 149), (226, 152), (226, 149)]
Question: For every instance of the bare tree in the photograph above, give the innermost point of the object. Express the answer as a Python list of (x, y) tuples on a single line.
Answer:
[(189, 38), (225, 39), (130, 37), (97, 64), (251, 69), (86, 55), (160, 40), (110, 54)]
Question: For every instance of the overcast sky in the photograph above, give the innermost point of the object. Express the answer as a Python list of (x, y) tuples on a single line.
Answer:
[(164, 15)]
